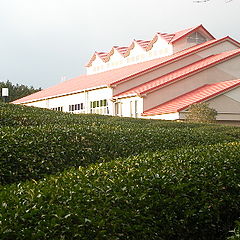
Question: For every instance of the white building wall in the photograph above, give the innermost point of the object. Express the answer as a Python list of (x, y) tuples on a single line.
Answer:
[(159, 49), (84, 97), (98, 65), (101, 94), (40, 104), (129, 107)]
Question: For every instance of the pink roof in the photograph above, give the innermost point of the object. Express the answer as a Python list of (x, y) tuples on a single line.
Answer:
[(113, 77), (143, 44), (121, 50), (181, 34), (180, 73), (170, 38), (198, 95), (102, 55)]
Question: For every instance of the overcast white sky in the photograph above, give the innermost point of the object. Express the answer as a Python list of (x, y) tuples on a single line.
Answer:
[(43, 40)]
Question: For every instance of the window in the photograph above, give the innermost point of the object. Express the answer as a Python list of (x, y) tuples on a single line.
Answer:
[(197, 38), (131, 109), (99, 107), (57, 109), (136, 109), (76, 107), (118, 109)]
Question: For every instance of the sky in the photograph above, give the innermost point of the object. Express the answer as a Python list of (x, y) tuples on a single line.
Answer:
[(43, 42)]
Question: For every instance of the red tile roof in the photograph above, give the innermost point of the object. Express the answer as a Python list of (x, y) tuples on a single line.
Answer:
[(115, 76), (198, 95), (180, 73)]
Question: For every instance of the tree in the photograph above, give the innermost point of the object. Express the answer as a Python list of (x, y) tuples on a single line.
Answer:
[(202, 113), (16, 91)]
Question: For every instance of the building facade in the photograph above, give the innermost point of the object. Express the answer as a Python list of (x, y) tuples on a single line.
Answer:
[(158, 78)]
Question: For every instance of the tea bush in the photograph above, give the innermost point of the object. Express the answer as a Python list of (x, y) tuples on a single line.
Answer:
[(34, 151), (236, 232), (188, 193)]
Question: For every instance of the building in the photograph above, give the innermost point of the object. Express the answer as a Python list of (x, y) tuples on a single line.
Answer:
[(156, 79)]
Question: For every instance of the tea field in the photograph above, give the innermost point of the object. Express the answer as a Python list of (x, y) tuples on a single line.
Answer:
[(65, 176)]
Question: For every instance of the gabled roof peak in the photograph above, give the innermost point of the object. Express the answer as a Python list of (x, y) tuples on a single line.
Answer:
[(170, 38)]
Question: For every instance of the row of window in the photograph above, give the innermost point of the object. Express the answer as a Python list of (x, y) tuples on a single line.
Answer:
[(100, 103), (57, 109), (102, 110), (100, 107), (76, 107)]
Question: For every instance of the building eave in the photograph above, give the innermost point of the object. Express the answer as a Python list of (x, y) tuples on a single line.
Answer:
[(63, 94)]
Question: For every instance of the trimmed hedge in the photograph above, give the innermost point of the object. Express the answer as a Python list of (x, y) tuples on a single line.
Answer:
[(36, 142), (18, 116), (32, 152), (191, 193)]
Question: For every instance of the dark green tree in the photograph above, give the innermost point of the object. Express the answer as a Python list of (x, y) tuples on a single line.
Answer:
[(16, 91)]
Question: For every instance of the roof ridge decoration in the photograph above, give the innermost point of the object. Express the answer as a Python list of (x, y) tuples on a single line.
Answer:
[(168, 37)]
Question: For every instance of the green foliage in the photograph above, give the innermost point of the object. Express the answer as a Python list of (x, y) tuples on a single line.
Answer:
[(189, 193), (115, 178), (236, 232), (17, 91), (49, 142), (202, 113)]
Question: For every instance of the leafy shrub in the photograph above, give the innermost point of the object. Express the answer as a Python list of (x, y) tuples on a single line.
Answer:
[(201, 112), (191, 193), (236, 232), (34, 151)]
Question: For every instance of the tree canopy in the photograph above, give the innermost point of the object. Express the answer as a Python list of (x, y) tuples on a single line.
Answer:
[(202, 113), (16, 91)]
